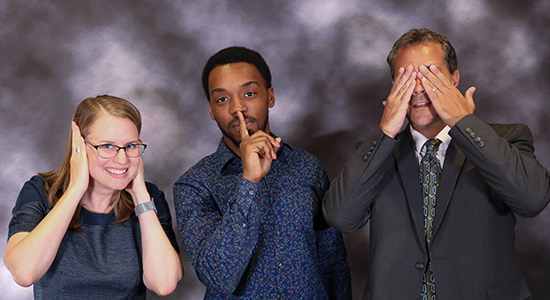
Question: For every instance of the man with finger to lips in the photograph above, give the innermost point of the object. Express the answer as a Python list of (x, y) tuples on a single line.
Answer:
[(250, 214), (449, 235)]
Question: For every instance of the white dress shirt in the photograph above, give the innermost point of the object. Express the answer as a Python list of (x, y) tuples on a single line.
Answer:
[(419, 141)]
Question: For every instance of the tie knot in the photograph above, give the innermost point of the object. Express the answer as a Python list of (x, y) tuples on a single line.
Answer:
[(432, 145)]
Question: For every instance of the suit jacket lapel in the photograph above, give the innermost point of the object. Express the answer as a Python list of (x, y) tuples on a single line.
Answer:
[(454, 160), (407, 171)]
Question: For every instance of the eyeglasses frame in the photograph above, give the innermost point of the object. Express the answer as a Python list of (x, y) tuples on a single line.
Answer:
[(118, 149)]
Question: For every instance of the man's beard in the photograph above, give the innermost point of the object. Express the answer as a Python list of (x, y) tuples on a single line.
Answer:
[(232, 138)]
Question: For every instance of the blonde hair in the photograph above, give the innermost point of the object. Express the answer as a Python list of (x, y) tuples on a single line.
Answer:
[(87, 112)]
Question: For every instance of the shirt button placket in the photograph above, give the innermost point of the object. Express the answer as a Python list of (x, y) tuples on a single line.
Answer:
[(279, 249), (279, 283), (251, 193)]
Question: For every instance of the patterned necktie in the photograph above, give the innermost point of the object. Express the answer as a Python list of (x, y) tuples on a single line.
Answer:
[(429, 170)]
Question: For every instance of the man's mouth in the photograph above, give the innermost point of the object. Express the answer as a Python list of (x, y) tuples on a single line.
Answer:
[(237, 125), (423, 103)]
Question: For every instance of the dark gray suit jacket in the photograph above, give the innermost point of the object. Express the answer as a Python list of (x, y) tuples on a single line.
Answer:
[(490, 174)]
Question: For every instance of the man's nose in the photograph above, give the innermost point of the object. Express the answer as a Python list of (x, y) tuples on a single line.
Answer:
[(418, 87), (238, 104)]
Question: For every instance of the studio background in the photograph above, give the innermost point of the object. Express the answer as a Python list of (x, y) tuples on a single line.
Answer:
[(327, 58)]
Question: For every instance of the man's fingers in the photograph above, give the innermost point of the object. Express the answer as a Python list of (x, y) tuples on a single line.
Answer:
[(268, 147), (435, 70), (435, 77), (242, 126), (410, 83), (402, 79), (429, 87), (403, 85), (264, 145), (276, 144), (407, 89), (470, 93)]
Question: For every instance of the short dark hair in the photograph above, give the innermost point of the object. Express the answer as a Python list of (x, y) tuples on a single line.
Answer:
[(231, 55), (419, 36)]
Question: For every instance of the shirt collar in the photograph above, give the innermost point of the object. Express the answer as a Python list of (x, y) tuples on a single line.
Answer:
[(420, 140), (91, 218)]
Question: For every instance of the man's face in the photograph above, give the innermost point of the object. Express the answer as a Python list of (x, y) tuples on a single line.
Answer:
[(421, 113), (239, 87)]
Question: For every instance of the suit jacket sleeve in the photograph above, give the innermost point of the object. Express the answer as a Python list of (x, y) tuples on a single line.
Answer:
[(347, 203), (331, 251), (504, 155)]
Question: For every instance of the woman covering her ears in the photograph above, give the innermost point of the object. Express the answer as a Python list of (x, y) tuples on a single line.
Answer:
[(93, 228)]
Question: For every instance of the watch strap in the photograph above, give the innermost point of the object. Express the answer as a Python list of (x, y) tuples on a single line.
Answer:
[(144, 207)]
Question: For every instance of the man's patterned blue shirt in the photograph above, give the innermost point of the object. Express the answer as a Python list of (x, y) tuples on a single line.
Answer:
[(265, 240)]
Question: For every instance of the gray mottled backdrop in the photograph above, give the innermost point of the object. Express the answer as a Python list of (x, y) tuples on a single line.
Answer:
[(328, 62)]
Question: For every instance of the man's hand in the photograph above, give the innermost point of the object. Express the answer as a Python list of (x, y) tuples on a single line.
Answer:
[(397, 103), (257, 151), (448, 102)]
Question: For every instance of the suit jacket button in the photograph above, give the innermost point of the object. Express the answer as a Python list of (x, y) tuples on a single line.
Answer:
[(468, 130), (473, 134), (481, 144), (419, 266), (477, 139)]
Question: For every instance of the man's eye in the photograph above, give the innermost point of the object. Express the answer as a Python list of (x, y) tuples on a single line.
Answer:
[(131, 146), (249, 94), (221, 100)]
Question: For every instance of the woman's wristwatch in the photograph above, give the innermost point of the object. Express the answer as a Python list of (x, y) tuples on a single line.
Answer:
[(143, 207)]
